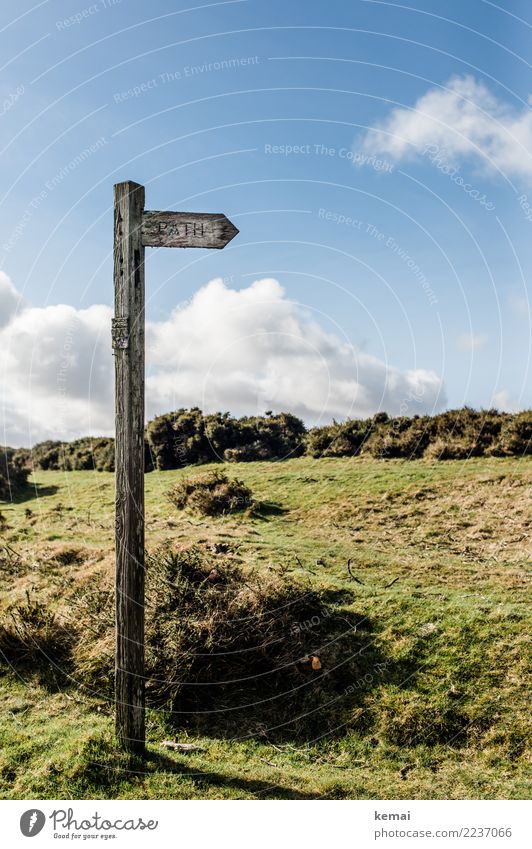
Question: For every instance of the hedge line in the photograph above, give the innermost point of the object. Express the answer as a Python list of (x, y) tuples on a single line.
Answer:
[(187, 437), (453, 435)]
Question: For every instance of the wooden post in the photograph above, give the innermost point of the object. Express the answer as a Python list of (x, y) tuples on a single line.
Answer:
[(128, 344), (135, 230)]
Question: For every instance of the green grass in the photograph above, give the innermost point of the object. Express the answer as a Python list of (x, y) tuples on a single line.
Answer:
[(440, 552)]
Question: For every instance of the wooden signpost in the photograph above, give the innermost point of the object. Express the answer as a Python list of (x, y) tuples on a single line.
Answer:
[(134, 230)]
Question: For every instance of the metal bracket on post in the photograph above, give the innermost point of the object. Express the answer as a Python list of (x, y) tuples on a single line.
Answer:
[(120, 333)]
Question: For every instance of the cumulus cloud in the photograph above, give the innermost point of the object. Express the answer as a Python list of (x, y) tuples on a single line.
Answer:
[(56, 373), (246, 351), (463, 118), (254, 349)]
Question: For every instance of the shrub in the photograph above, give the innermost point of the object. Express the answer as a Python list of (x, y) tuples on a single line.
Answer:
[(275, 437), (403, 437), (338, 440), (31, 635), (458, 449), (217, 636), (44, 455), (96, 453), (228, 649), (466, 433), (187, 437), (178, 439), (516, 434), (212, 494), (86, 454), (454, 434), (13, 473)]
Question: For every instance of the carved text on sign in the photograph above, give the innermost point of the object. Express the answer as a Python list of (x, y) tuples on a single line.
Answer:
[(187, 228)]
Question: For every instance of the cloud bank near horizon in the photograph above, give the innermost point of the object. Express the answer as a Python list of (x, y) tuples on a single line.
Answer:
[(247, 351)]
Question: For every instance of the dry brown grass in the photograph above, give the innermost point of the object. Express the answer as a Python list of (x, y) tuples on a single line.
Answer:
[(487, 518)]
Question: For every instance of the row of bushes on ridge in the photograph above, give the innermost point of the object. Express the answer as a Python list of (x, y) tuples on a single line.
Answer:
[(452, 435), (182, 438), (188, 437)]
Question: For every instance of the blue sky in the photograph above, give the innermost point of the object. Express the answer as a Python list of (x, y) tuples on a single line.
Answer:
[(372, 154)]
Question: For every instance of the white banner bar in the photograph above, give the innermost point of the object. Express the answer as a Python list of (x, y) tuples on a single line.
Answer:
[(268, 824)]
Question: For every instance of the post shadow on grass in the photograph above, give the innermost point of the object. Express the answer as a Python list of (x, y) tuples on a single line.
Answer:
[(206, 779), (103, 767)]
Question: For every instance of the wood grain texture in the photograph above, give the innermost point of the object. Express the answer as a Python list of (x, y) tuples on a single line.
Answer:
[(186, 230), (128, 339)]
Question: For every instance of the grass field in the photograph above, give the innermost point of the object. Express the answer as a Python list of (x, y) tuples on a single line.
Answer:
[(439, 560)]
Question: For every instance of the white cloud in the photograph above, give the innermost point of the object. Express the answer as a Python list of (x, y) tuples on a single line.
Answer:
[(245, 351), (253, 349), (471, 341), (461, 119), (56, 373)]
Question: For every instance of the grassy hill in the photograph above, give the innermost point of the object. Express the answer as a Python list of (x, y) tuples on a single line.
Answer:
[(436, 707)]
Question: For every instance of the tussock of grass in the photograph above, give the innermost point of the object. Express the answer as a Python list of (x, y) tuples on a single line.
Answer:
[(69, 555), (211, 494)]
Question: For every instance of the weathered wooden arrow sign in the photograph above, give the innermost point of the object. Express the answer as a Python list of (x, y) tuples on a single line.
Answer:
[(186, 230), (135, 230)]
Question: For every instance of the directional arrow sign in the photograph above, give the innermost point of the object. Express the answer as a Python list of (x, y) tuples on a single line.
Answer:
[(186, 230)]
